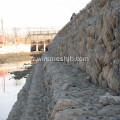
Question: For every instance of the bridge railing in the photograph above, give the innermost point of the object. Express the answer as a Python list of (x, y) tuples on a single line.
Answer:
[(44, 32)]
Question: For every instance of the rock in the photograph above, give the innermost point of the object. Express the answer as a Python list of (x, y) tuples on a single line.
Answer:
[(116, 53), (107, 59), (113, 93), (64, 103), (117, 35), (100, 53), (104, 84), (109, 99), (112, 80), (88, 79), (67, 86), (104, 101), (100, 78), (116, 64), (109, 110), (102, 3), (105, 72), (111, 46), (91, 31)]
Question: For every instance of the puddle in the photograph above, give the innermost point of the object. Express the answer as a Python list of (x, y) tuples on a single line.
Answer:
[(9, 87)]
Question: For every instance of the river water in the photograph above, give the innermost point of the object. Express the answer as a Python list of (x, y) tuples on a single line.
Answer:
[(9, 87)]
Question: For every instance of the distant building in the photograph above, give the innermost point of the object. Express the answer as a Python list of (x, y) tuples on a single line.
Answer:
[(20, 40)]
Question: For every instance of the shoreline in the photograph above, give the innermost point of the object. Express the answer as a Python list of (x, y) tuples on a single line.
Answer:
[(17, 57), (20, 57)]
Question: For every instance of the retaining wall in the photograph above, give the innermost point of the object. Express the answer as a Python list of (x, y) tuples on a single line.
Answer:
[(94, 33)]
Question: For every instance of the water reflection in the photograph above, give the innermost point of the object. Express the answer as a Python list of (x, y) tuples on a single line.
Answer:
[(9, 87)]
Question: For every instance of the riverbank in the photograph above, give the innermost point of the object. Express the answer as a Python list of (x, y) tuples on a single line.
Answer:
[(17, 57), (20, 57), (20, 74), (56, 91)]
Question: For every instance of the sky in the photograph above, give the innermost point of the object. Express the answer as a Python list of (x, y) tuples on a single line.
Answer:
[(38, 13)]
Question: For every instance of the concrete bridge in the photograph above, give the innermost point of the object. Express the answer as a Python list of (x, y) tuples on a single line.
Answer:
[(40, 40), (32, 40)]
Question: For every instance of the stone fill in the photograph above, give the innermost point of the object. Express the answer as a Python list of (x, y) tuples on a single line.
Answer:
[(93, 33), (56, 91), (73, 90)]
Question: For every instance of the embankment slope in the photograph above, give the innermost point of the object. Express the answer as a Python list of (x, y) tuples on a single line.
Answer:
[(58, 90)]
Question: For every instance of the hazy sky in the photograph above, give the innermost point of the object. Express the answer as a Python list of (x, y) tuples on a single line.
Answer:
[(36, 13)]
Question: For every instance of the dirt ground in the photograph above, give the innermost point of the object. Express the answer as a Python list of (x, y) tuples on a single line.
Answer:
[(17, 57), (20, 74)]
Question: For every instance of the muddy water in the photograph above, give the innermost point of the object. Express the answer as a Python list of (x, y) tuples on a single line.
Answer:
[(9, 87)]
